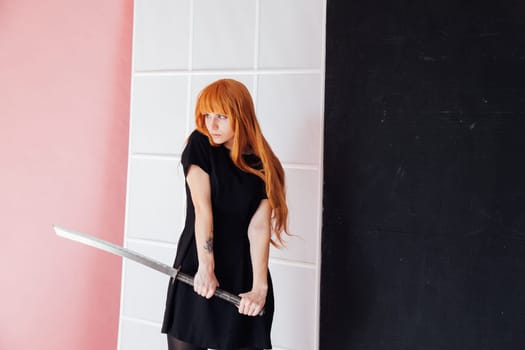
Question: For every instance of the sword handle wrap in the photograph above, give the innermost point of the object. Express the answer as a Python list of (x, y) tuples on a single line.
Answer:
[(229, 297)]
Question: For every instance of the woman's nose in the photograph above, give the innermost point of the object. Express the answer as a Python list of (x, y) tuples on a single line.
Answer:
[(214, 123)]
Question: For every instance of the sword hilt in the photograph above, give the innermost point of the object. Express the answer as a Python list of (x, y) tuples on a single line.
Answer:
[(224, 295)]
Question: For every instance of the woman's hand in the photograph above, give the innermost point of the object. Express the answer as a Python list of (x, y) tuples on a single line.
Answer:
[(205, 283), (253, 301)]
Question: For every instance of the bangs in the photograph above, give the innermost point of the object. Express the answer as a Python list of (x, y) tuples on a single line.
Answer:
[(213, 99)]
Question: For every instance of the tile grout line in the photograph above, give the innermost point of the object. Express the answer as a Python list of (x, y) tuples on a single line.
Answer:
[(172, 72)]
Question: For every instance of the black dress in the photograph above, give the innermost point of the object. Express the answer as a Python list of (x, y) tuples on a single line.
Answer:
[(235, 196)]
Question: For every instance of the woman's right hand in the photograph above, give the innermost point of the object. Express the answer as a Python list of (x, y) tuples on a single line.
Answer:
[(205, 283)]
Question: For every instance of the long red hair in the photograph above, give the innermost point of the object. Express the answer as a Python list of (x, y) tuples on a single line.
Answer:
[(231, 98)]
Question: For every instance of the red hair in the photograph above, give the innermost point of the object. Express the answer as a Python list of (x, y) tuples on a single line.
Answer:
[(231, 98)]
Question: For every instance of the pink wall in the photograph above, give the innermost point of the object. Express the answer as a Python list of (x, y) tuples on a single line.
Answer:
[(64, 114)]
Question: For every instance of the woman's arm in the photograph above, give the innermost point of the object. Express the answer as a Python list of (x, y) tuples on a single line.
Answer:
[(205, 282), (259, 233)]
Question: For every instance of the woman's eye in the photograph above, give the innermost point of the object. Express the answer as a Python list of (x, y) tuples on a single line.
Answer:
[(206, 115), (223, 116)]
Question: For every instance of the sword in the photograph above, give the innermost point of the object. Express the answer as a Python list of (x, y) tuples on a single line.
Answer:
[(141, 259)]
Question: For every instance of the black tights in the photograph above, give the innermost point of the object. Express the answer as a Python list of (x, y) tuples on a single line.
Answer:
[(176, 344)]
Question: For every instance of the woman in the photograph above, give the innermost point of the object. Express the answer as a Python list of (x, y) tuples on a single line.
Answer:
[(236, 208)]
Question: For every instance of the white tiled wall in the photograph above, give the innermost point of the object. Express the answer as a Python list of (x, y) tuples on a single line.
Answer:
[(276, 48)]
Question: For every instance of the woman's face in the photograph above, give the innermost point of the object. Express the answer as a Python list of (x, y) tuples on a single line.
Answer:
[(220, 129)]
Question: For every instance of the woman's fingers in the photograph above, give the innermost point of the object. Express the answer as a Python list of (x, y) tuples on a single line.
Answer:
[(205, 287), (206, 291), (209, 292), (251, 304), (254, 310), (251, 309)]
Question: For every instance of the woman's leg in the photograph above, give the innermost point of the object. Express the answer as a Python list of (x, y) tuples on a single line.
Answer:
[(176, 344)]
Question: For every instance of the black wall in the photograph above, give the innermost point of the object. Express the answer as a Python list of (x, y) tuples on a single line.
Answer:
[(424, 195)]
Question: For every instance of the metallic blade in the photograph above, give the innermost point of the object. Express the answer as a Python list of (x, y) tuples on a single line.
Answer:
[(115, 249), (139, 258)]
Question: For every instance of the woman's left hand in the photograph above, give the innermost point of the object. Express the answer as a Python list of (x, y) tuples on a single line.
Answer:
[(253, 301)]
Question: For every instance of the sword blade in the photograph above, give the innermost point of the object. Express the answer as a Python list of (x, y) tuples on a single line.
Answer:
[(114, 249), (139, 258)]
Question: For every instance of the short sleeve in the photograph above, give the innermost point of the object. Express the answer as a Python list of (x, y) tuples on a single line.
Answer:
[(197, 152), (255, 162), (263, 191)]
